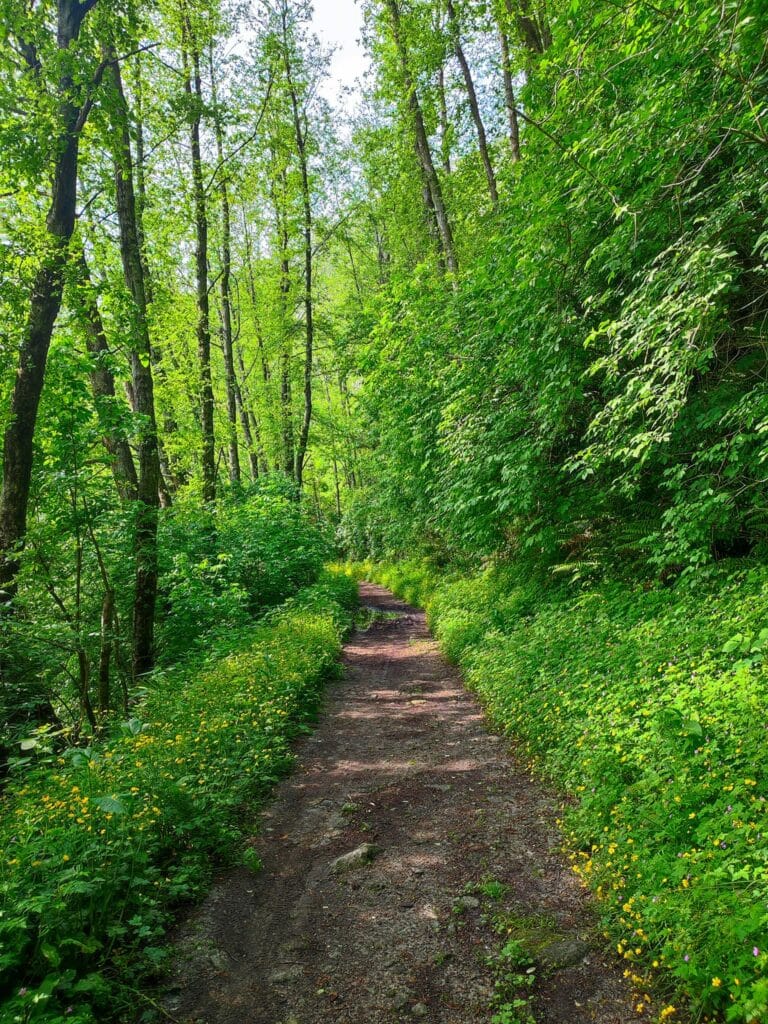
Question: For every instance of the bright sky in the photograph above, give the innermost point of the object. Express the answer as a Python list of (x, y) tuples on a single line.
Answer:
[(339, 23)]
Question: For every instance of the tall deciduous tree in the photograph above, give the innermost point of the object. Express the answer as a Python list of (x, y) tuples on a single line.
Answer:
[(103, 384), (145, 595), (509, 93), (73, 104), (193, 86), (300, 139), (225, 283), (474, 106), (432, 189)]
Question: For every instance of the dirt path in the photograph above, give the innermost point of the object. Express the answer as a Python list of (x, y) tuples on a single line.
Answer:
[(401, 760)]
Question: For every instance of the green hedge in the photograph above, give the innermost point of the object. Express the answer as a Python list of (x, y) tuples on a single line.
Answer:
[(102, 842), (649, 705)]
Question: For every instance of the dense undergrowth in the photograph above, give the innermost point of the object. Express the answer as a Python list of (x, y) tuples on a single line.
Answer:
[(219, 568), (102, 842), (647, 705)]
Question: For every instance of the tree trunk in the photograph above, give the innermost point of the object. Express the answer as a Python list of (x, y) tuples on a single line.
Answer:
[(245, 422), (265, 371), (145, 596), (194, 89), (431, 179), (445, 125), (103, 387), (45, 302), (286, 407), (233, 453), (353, 268), (482, 140), (286, 384), (306, 202), (382, 256), (105, 653), (532, 27), (84, 684), (169, 480), (509, 96)]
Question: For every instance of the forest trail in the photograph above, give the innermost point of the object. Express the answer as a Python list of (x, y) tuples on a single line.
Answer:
[(401, 759)]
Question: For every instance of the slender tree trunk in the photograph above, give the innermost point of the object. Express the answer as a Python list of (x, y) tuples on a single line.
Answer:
[(433, 226), (245, 422), (382, 256), (422, 143), (145, 595), (306, 201), (45, 302), (532, 26), (352, 448), (482, 140), (509, 96), (265, 371), (233, 454), (353, 268), (286, 406), (141, 187), (194, 89), (445, 125), (103, 386), (248, 421), (286, 385), (84, 685), (105, 653), (169, 480), (334, 453)]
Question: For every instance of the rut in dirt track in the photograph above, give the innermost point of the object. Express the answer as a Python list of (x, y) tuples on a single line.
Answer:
[(401, 759)]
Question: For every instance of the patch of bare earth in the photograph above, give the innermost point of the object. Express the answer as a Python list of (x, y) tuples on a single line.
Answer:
[(401, 760)]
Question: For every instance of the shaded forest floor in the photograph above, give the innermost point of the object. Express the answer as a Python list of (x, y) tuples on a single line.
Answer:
[(463, 856)]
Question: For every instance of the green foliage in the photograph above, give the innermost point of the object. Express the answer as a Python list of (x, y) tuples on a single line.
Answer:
[(515, 974), (604, 344), (645, 704), (220, 569), (102, 842)]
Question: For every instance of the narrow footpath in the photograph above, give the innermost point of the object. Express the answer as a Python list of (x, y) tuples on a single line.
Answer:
[(402, 761)]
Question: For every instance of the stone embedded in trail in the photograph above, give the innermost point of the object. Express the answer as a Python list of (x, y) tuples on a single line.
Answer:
[(467, 903), (356, 858), (286, 975), (564, 953), (400, 1001)]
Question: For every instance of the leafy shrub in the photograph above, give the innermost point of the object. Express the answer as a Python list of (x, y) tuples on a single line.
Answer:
[(604, 344), (102, 842), (648, 705), (217, 572)]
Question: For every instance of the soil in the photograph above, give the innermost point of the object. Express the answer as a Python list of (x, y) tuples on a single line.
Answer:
[(402, 760)]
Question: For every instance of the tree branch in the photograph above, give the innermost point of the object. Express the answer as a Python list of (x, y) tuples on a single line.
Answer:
[(96, 81), (244, 143), (563, 149)]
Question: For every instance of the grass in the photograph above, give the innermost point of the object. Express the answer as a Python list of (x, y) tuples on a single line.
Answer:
[(647, 705), (102, 843)]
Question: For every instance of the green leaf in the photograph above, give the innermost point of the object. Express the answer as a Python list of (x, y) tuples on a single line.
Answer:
[(110, 805)]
